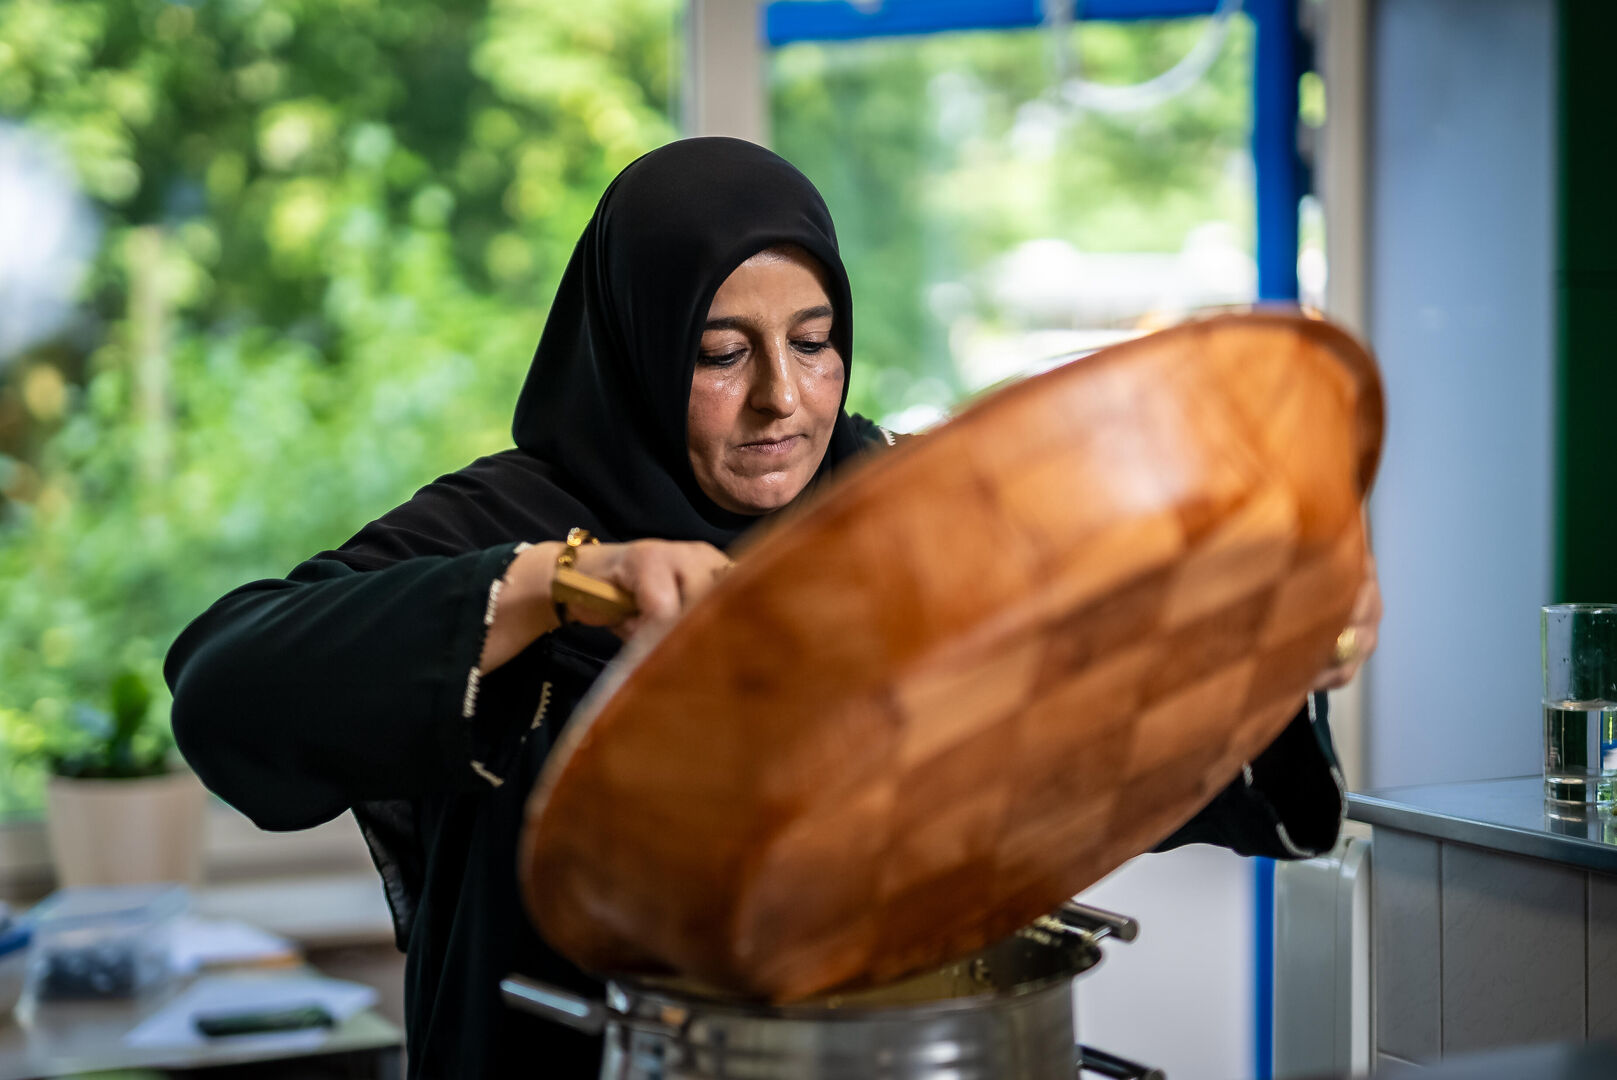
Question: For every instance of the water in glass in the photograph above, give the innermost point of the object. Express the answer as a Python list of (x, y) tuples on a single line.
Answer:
[(1580, 751)]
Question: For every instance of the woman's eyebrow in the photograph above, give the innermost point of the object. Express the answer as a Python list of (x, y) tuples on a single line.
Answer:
[(742, 322)]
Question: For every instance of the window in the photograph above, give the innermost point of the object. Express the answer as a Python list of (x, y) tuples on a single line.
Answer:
[(303, 254), (990, 223)]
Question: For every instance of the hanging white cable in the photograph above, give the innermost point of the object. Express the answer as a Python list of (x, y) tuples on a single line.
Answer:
[(1074, 90)]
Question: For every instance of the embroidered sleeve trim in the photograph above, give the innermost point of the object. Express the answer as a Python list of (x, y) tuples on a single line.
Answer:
[(1290, 846), (1295, 850), (544, 705), (474, 677), (468, 703), (1336, 771), (1287, 844), (482, 770)]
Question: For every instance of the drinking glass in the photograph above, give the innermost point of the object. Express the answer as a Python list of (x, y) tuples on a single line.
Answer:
[(1578, 644)]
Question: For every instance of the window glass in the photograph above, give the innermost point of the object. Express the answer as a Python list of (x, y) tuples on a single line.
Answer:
[(266, 267), (989, 224)]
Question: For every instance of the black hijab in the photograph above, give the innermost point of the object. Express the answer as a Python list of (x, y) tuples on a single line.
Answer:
[(605, 401)]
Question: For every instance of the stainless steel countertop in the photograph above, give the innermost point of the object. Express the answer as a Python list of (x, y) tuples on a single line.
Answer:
[(1507, 815)]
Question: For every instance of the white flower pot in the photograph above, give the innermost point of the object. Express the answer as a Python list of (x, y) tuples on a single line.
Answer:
[(120, 832)]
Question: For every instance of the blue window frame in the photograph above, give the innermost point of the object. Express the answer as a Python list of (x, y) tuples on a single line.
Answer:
[(787, 21), (1280, 182)]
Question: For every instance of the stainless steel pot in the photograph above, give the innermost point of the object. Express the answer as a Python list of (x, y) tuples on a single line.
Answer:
[(1005, 1013)]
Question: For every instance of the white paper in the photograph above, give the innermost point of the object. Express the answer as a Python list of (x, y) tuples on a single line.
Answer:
[(172, 1025), (198, 942)]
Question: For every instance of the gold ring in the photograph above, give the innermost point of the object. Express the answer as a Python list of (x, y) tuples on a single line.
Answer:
[(1347, 646)]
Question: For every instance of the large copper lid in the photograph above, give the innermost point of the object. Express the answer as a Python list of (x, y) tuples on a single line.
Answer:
[(979, 674)]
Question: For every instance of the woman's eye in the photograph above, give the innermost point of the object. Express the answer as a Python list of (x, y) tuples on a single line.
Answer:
[(722, 359), (812, 346)]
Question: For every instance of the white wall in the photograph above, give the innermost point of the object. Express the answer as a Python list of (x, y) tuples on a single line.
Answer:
[(1461, 247), (1181, 995)]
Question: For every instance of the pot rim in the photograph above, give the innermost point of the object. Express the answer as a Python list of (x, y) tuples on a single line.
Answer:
[(628, 995)]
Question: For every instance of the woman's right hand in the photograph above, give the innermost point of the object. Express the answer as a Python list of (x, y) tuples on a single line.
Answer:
[(664, 576)]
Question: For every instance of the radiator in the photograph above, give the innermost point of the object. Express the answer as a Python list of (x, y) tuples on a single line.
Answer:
[(1322, 964)]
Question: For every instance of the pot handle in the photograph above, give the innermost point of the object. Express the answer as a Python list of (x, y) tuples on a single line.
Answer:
[(1115, 1068), (1096, 922), (554, 1003)]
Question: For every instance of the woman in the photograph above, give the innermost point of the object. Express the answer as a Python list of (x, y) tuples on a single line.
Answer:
[(689, 382)]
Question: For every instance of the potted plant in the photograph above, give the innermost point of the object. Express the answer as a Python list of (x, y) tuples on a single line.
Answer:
[(117, 808)]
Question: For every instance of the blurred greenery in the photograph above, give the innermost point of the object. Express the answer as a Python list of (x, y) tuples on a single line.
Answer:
[(125, 740), (330, 230), (937, 155)]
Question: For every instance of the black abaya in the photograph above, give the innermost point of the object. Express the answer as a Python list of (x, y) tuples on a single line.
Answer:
[(353, 683)]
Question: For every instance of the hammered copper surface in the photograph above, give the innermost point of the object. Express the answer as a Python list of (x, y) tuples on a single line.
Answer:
[(981, 673)]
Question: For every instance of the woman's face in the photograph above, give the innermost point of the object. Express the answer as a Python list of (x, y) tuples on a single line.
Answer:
[(767, 386)]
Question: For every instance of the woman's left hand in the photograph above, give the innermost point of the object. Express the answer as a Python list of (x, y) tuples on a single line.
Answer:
[(1359, 636)]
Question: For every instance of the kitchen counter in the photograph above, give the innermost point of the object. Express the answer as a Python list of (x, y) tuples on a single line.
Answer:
[(1493, 920), (1507, 815)]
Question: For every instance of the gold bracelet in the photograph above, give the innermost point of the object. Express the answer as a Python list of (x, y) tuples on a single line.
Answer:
[(567, 559), (568, 585)]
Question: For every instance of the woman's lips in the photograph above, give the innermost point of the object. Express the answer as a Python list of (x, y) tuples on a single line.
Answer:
[(773, 446)]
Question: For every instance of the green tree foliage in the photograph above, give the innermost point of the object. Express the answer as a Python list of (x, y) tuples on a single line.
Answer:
[(330, 233), (331, 230)]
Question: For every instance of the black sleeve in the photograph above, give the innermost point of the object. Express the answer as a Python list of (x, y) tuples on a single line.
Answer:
[(1287, 804), (297, 698)]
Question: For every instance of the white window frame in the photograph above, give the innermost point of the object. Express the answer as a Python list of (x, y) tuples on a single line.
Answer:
[(724, 83)]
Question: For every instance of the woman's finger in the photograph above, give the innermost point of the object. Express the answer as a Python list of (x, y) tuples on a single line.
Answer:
[(676, 575), (1334, 678), (607, 563), (652, 579), (1367, 604), (699, 569), (1365, 622)]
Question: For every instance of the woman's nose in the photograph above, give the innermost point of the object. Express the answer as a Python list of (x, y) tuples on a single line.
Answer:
[(773, 389)]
